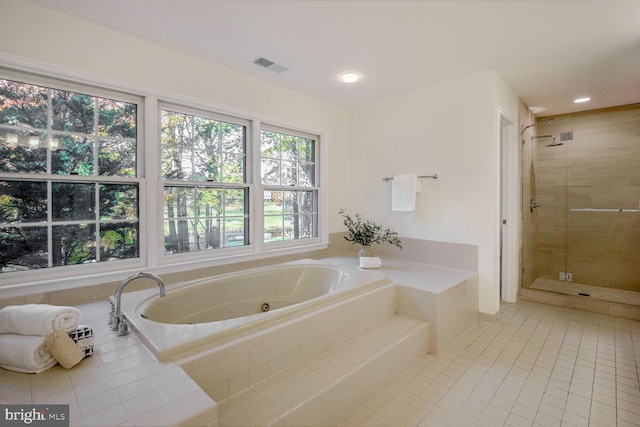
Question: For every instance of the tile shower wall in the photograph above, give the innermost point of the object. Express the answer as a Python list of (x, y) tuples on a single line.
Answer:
[(598, 168)]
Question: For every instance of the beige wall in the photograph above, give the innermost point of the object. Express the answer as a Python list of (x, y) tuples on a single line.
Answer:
[(599, 168)]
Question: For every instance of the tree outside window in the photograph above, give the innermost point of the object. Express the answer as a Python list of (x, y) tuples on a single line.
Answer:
[(206, 197), (64, 161)]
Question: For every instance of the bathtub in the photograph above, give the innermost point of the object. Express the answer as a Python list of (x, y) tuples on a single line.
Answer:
[(208, 311)]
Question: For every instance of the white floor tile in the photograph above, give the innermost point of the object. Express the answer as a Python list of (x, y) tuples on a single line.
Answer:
[(538, 366)]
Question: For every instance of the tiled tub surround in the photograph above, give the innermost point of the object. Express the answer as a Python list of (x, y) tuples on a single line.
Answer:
[(207, 312), (316, 369), (123, 384), (318, 366)]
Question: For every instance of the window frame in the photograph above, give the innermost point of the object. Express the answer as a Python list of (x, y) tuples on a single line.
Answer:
[(151, 247), (200, 111), (267, 247), (50, 177)]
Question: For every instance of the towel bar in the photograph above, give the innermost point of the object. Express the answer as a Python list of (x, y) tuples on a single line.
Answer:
[(434, 176), (603, 210)]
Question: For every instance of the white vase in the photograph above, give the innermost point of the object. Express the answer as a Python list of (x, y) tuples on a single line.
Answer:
[(365, 251)]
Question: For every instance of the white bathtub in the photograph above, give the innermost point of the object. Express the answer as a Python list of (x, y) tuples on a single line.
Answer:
[(206, 311)]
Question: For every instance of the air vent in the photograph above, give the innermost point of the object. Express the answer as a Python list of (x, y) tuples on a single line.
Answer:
[(566, 136), (269, 65)]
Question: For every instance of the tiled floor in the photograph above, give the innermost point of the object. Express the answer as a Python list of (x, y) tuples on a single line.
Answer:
[(120, 384), (539, 366)]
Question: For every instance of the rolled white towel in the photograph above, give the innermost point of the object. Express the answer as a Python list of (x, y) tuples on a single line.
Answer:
[(25, 353), (38, 319)]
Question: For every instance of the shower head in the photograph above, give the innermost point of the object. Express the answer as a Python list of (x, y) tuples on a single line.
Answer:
[(555, 144)]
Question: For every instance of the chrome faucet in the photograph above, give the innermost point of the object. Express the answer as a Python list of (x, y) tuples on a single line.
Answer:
[(117, 320)]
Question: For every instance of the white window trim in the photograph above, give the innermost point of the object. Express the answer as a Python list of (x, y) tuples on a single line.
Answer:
[(258, 195), (150, 247), (24, 278), (169, 259)]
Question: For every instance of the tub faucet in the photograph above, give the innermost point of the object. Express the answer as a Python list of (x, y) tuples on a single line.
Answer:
[(117, 320)]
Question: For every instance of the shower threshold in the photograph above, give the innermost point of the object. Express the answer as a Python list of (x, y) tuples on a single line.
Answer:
[(598, 293)]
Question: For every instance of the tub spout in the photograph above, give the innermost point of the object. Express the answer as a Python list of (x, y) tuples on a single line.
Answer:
[(117, 320)]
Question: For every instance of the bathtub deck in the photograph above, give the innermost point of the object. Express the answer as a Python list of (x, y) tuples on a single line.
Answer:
[(328, 386)]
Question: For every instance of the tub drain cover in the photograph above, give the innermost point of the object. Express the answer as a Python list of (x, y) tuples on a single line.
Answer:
[(264, 307)]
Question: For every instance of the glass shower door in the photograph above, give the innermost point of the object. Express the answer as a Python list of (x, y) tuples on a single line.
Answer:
[(583, 238)]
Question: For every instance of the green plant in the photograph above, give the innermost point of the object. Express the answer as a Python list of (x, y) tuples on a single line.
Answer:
[(365, 232)]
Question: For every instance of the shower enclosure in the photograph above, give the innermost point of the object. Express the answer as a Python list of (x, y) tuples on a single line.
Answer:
[(581, 209)]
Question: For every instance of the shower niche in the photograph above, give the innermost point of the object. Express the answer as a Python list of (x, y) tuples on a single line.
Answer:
[(581, 241)]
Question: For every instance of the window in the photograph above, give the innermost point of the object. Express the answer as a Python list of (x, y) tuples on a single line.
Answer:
[(75, 198), (289, 174), (69, 192), (206, 195)]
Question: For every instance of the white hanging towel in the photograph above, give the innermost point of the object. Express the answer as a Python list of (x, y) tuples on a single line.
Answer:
[(403, 192)]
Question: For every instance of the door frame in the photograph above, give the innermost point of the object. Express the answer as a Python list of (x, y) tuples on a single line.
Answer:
[(510, 193)]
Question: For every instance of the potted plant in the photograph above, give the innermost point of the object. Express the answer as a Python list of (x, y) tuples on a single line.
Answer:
[(365, 233)]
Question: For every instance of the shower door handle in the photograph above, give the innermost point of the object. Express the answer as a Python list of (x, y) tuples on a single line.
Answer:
[(533, 205)]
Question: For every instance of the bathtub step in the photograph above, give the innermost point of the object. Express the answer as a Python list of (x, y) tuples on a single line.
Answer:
[(325, 388)]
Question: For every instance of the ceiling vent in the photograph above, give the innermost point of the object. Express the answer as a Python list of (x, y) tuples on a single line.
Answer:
[(269, 65)]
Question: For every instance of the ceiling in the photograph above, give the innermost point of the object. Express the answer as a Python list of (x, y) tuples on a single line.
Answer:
[(547, 51)]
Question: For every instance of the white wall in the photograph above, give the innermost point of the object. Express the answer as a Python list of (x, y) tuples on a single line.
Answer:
[(45, 36), (453, 130)]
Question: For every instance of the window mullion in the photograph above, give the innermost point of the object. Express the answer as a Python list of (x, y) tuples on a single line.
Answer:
[(49, 129), (148, 168), (96, 217), (49, 181), (256, 210), (96, 173), (49, 223)]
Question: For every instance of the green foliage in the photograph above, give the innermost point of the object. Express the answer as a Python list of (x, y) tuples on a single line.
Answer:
[(365, 232), (56, 133)]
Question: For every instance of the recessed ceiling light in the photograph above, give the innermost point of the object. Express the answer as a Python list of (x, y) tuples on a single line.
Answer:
[(581, 100), (350, 77)]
